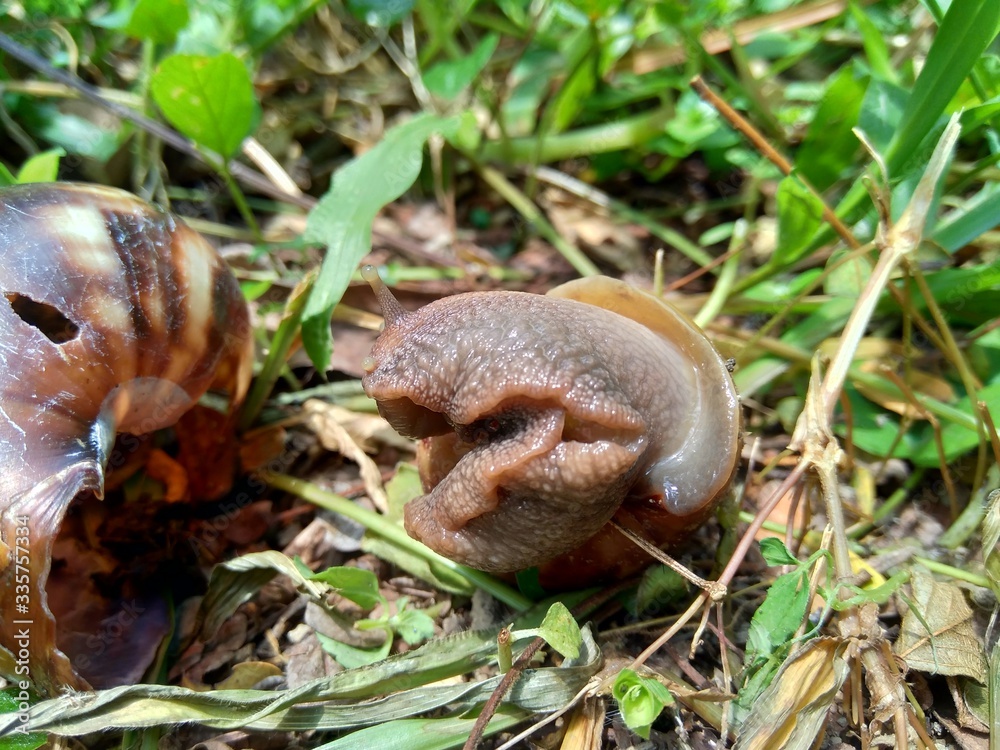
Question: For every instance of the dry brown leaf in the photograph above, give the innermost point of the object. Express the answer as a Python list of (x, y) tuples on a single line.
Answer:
[(582, 222), (870, 349), (323, 420), (919, 382), (790, 713), (170, 473), (945, 642), (248, 674), (585, 728)]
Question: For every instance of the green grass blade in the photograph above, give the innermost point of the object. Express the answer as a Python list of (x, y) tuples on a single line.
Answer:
[(342, 221), (965, 32)]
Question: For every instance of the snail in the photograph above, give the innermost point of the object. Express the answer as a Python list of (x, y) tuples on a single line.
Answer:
[(114, 317), (541, 418)]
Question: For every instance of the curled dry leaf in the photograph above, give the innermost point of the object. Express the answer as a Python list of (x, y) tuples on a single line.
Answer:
[(114, 317), (792, 710), (323, 419), (937, 635)]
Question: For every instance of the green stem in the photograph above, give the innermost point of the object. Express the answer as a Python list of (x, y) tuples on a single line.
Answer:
[(720, 292), (240, 200), (952, 572), (662, 232), (378, 524), (277, 355), (523, 205), (612, 136)]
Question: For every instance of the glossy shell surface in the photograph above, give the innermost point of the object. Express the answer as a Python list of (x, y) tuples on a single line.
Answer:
[(114, 317)]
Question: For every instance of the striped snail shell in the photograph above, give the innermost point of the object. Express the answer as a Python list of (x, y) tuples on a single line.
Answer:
[(114, 317)]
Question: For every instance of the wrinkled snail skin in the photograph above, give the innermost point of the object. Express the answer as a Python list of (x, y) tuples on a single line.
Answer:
[(543, 417), (114, 317)]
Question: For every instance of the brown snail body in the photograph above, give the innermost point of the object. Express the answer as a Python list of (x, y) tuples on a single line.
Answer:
[(543, 417), (114, 317)]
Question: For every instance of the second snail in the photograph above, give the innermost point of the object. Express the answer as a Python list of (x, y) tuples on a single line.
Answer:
[(541, 418), (114, 317)]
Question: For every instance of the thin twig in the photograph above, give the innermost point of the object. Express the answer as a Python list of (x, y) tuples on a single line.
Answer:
[(770, 153), (506, 683), (511, 675), (715, 591)]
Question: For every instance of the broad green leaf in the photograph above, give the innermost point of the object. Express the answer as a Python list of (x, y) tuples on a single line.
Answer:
[(264, 22), (531, 79), (352, 657), (235, 581), (404, 486), (774, 552), (438, 576), (807, 334), (560, 631), (450, 78), (778, 616), (848, 276), (967, 295), (12, 701), (972, 218), (424, 734), (158, 20), (78, 135), (829, 146), (800, 214), (964, 34), (693, 124), (573, 94), (412, 625), (328, 703), (641, 699), (342, 221), (881, 110), (43, 167), (980, 114), (208, 99), (253, 290), (659, 587), (357, 584), (873, 429), (957, 438)]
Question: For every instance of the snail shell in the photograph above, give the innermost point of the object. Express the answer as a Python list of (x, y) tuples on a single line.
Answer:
[(114, 317), (543, 417)]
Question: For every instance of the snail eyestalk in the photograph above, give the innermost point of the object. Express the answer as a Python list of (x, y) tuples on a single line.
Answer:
[(392, 311)]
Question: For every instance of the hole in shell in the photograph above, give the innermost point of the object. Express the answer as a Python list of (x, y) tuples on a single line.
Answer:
[(45, 317)]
